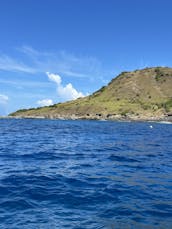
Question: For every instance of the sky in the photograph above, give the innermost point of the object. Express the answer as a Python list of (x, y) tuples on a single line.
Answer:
[(56, 50)]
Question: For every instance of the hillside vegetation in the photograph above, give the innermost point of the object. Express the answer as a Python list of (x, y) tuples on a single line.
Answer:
[(140, 94)]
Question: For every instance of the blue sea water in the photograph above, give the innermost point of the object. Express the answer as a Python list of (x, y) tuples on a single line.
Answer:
[(85, 174)]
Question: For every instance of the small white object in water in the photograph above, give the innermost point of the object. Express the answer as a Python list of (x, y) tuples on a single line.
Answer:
[(151, 126)]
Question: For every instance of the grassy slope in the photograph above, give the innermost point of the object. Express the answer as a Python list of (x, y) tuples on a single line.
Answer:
[(144, 92)]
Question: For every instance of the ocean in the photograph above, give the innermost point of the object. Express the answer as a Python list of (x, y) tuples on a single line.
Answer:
[(85, 174)]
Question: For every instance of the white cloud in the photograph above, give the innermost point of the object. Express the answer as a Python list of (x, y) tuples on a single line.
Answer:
[(45, 102), (67, 92), (54, 77), (64, 63), (33, 61), (9, 64), (3, 99)]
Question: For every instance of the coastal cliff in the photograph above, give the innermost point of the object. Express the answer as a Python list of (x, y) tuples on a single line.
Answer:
[(138, 95)]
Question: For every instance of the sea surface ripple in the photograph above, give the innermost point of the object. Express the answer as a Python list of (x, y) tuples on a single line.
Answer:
[(85, 174)]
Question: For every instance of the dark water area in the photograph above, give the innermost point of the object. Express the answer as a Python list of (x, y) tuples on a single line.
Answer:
[(85, 174)]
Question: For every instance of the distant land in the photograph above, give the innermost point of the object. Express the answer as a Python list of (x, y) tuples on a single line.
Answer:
[(137, 95)]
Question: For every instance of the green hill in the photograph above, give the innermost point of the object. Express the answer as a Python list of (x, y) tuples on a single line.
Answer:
[(142, 94)]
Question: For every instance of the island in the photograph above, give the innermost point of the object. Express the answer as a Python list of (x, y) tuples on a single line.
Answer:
[(137, 95)]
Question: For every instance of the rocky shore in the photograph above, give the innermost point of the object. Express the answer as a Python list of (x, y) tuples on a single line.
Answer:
[(109, 117)]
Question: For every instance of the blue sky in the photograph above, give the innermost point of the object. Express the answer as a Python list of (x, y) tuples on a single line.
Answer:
[(56, 50)]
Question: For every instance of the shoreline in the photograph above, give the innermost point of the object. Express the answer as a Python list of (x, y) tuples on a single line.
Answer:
[(165, 120)]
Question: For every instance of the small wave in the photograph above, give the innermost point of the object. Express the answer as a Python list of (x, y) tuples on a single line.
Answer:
[(165, 122)]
